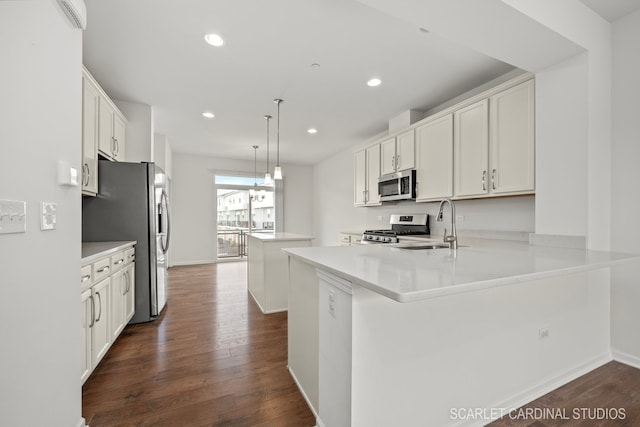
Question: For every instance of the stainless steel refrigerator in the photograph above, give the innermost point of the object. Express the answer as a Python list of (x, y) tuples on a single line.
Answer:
[(132, 204)]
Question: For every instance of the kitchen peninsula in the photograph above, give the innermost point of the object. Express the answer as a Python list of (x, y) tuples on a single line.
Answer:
[(381, 335)]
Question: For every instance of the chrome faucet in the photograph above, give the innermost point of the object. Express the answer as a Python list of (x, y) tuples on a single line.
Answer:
[(451, 239)]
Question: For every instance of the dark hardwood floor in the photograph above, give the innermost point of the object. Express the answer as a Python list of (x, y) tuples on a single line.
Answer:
[(607, 396), (211, 359)]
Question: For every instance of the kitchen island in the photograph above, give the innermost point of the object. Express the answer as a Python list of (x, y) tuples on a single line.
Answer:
[(381, 335), (267, 268)]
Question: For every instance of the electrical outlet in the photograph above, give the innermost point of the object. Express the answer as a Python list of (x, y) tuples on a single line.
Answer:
[(48, 216), (543, 333), (459, 218), (379, 217), (333, 296)]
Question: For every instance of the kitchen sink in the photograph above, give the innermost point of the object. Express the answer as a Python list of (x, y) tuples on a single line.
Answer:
[(424, 246)]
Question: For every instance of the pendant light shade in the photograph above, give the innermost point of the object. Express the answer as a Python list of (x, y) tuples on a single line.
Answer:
[(277, 173), (267, 175)]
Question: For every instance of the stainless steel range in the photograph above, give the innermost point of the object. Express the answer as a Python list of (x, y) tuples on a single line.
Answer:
[(401, 225)]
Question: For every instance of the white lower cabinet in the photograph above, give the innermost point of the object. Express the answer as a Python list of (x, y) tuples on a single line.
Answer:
[(100, 329), (106, 305)]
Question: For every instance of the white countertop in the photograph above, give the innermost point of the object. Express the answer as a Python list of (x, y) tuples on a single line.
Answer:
[(412, 275), (92, 251), (279, 237)]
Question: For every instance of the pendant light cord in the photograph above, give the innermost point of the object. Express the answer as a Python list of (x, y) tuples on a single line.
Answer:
[(267, 117)]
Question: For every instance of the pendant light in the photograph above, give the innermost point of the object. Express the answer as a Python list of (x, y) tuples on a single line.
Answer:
[(256, 196), (267, 175), (277, 173)]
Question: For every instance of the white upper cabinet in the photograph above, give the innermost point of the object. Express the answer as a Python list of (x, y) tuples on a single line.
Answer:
[(481, 147), (360, 177), (111, 141), (366, 167), (471, 148), (512, 139), (397, 153), (90, 105), (434, 159), (102, 120)]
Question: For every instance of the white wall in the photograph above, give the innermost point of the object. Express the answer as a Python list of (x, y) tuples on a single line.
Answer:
[(139, 130), (625, 230), (194, 203), (162, 153), (561, 148), (40, 106)]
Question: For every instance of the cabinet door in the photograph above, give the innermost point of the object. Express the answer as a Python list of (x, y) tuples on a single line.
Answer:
[(90, 106), (434, 170), (118, 290), (405, 151), (373, 173), (513, 139), (130, 296), (388, 156), (119, 141), (86, 324), (100, 336), (359, 177), (105, 128), (471, 150)]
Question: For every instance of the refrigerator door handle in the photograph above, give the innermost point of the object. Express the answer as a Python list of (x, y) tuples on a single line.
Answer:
[(165, 207)]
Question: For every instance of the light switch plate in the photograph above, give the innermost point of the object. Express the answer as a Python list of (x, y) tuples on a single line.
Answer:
[(13, 216), (48, 215)]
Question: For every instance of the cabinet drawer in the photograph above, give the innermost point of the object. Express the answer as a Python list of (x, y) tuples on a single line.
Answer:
[(86, 275), (117, 261), (101, 269), (129, 256)]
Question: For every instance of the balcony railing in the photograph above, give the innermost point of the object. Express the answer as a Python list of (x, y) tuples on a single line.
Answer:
[(233, 243)]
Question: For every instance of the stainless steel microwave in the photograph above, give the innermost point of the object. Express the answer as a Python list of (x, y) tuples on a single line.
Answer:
[(397, 186)]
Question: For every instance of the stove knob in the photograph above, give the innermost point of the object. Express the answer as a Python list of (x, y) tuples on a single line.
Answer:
[(387, 239), (377, 238)]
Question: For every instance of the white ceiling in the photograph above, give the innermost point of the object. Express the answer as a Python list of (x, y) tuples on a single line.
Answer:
[(612, 10), (153, 52)]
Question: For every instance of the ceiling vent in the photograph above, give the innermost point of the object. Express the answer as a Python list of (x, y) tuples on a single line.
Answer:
[(76, 11)]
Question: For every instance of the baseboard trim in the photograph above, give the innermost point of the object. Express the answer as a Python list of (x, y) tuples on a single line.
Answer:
[(81, 422), (304, 395), (540, 389), (626, 358), (196, 262)]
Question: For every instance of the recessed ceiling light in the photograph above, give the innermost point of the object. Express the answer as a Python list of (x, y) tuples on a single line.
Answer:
[(208, 115), (214, 39), (312, 131), (374, 82)]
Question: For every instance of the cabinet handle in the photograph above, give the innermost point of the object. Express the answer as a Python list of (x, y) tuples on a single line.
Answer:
[(85, 278), (493, 179), (484, 180), (118, 262), (397, 161), (100, 304), (93, 312), (103, 269), (393, 163), (116, 147)]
